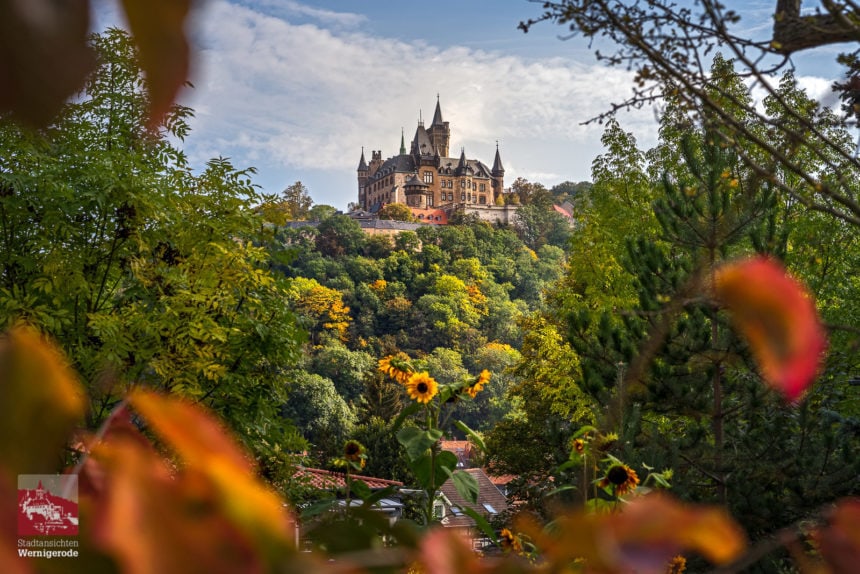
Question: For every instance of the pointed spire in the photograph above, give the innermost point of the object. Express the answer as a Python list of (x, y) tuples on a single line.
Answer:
[(462, 164), (362, 165), (437, 116), (498, 168), (402, 143)]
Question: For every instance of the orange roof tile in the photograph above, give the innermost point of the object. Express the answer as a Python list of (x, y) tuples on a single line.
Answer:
[(328, 480)]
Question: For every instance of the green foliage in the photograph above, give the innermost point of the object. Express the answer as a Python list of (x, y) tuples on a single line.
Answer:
[(143, 272)]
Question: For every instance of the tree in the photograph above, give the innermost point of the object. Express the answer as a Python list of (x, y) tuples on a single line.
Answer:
[(143, 272), (668, 45), (396, 212), (320, 412), (296, 202), (321, 212), (340, 235)]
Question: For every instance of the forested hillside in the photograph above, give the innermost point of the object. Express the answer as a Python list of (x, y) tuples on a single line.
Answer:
[(453, 296)]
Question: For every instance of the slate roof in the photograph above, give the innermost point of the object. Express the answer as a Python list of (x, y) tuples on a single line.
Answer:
[(490, 499), (328, 480), (422, 144), (437, 115), (450, 165)]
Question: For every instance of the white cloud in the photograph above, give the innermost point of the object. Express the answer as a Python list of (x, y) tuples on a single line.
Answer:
[(307, 98)]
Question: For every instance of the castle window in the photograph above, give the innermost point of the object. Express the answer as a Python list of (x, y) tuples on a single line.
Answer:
[(462, 196), (474, 186), (483, 187), (428, 177), (430, 200), (450, 197), (463, 183), (482, 199)]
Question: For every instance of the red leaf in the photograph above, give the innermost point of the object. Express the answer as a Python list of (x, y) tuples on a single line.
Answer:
[(778, 318)]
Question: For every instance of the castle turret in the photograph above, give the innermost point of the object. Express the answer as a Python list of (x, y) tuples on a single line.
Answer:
[(498, 174), (439, 132), (362, 179), (417, 192)]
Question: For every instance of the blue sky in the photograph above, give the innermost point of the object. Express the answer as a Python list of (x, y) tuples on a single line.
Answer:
[(295, 89)]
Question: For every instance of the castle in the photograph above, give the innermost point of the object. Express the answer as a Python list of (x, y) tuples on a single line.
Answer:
[(425, 178)]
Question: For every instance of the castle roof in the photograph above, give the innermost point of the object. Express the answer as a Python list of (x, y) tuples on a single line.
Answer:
[(362, 165), (498, 168), (437, 115), (422, 145), (414, 182)]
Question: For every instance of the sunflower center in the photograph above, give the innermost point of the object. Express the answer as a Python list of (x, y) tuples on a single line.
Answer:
[(422, 388), (617, 475)]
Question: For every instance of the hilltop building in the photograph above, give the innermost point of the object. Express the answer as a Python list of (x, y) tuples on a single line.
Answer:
[(426, 179)]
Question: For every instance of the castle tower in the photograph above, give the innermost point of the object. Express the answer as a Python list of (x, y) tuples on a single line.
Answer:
[(439, 132), (362, 178), (498, 174), (416, 193)]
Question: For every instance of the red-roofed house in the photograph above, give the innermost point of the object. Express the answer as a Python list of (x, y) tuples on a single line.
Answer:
[(434, 216), (334, 481)]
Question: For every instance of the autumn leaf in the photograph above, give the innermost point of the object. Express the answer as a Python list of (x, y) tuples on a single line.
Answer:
[(158, 29), (204, 446), (152, 522), (643, 536), (44, 56), (41, 401), (840, 539), (778, 318)]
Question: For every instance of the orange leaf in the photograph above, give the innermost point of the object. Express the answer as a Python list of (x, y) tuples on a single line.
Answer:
[(204, 446), (840, 540), (192, 432), (643, 537), (152, 522), (44, 56), (40, 402), (158, 29), (778, 318), (444, 551)]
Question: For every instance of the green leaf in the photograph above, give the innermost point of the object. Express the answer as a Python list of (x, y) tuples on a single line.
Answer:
[(466, 485), (359, 488), (417, 441), (445, 463), (476, 439), (410, 410), (481, 523)]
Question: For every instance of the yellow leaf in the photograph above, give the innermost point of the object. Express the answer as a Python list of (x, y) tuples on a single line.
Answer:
[(41, 401)]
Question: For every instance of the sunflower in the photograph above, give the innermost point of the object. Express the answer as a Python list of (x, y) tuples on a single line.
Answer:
[(509, 541), (353, 450), (622, 478), (422, 387), (393, 371), (479, 383), (579, 446), (676, 565)]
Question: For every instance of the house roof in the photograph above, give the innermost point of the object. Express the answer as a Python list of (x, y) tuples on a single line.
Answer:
[(328, 480), (563, 211), (434, 216), (461, 448), (490, 500)]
